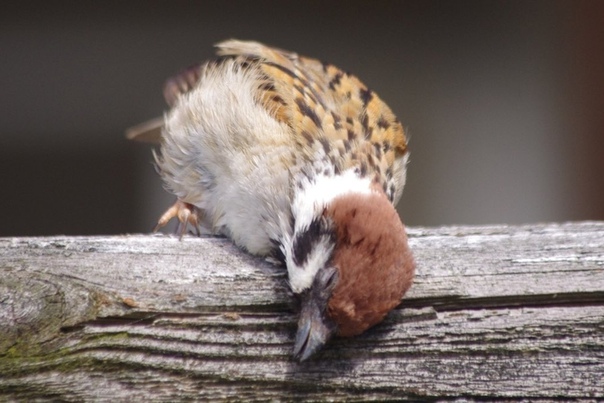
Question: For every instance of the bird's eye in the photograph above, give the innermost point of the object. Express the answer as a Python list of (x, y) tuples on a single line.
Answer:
[(330, 277)]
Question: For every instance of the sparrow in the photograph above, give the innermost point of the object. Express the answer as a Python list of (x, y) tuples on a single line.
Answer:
[(298, 160)]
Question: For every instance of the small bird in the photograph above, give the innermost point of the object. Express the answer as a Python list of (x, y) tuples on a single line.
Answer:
[(294, 159)]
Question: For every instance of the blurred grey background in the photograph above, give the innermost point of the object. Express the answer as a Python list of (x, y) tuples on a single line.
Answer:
[(504, 101)]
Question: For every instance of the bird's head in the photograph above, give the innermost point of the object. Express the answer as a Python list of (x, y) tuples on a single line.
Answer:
[(350, 265)]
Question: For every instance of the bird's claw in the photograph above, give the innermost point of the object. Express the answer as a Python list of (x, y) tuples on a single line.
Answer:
[(186, 214)]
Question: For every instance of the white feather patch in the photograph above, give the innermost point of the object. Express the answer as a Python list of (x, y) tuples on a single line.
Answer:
[(308, 205), (223, 152)]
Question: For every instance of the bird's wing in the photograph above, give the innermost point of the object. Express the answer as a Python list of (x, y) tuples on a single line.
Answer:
[(319, 97), (318, 100)]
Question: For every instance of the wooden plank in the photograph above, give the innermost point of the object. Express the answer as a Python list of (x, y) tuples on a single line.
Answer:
[(496, 312)]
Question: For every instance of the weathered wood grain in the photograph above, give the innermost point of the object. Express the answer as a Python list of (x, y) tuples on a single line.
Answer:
[(496, 312)]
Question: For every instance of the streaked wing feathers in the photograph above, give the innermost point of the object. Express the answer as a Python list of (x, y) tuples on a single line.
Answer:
[(318, 100), (321, 97)]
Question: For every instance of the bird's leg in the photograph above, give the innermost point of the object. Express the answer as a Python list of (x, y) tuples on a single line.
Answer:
[(186, 214)]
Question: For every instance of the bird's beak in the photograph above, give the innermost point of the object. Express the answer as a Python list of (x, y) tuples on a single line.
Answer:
[(314, 330), (315, 327)]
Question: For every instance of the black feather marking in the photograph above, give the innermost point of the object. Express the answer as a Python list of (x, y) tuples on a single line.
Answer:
[(267, 86), (309, 138), (278, 99), (336, 169), (347, 146), (363, 169), (335, 81), (366, 96), (305, 241), (325, 144), (299, 77), (306, 110), (383, 123), (337, 121), (282, 68), (351, 135), (366, 130), (325, 66), (378, 150)]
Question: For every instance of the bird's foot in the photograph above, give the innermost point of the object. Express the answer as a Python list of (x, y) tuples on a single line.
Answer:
[(186, 214)]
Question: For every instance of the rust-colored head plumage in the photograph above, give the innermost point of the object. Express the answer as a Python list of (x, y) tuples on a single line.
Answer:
[(374, 263), (361, 277)]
